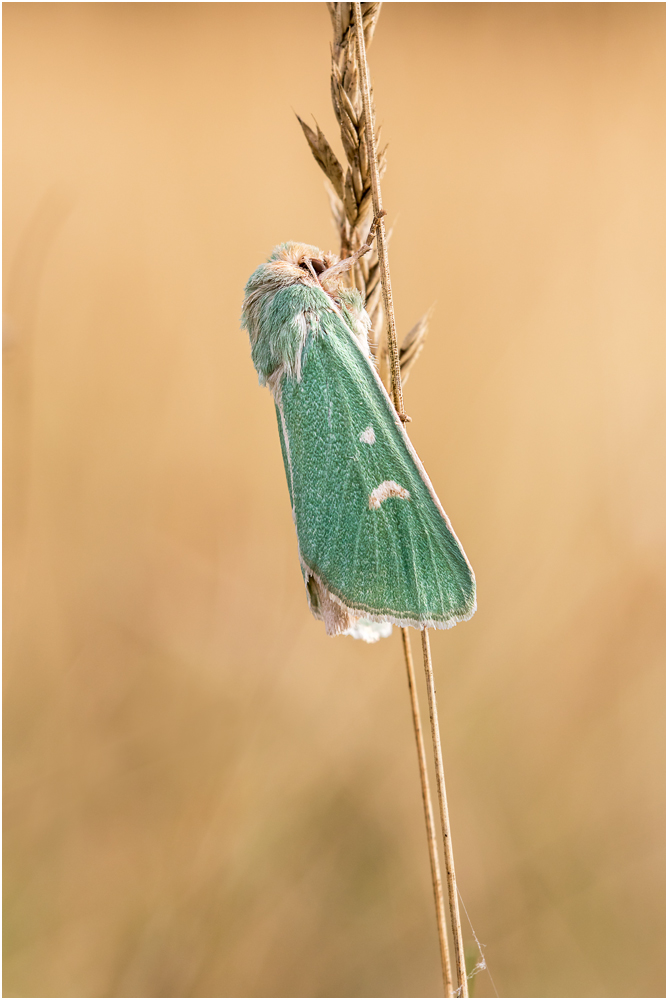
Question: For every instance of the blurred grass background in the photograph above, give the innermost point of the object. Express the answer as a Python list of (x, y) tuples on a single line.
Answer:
[(204, 795)]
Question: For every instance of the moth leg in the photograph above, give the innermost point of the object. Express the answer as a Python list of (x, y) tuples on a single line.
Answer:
[(374, 226), (345, 265)]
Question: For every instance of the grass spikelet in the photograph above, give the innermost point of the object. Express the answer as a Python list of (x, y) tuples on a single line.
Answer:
[(412, 344), (350, 193)]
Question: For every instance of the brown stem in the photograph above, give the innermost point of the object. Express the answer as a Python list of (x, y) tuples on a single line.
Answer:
[(429, 821), (370, 135), (462, 990)]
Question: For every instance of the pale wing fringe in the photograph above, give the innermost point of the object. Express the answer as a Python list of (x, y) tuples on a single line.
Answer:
[(339, 616)]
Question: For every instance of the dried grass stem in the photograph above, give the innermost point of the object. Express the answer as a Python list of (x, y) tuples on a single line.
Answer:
[(429, 820), (462, 990)]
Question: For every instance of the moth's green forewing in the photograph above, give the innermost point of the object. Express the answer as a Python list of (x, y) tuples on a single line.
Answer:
[(400, 559)]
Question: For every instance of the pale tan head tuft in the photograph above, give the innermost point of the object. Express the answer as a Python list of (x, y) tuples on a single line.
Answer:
[(298, 262)]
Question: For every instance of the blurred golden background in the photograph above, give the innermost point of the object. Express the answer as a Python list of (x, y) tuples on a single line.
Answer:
[(204, 795)]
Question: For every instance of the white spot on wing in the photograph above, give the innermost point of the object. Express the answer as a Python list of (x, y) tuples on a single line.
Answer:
[(387, 489), (368, 436)]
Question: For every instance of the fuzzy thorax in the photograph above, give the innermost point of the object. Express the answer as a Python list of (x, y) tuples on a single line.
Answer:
[(284, 299)]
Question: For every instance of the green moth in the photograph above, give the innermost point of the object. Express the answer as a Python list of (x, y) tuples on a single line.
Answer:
[(375, 545)]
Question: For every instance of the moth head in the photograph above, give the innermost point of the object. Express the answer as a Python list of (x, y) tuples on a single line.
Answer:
[(298, 263)]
